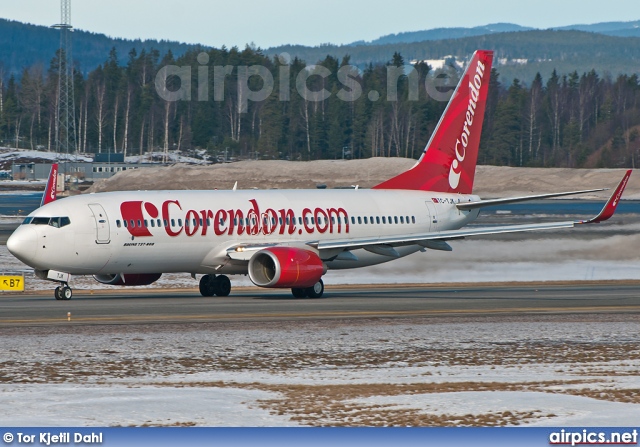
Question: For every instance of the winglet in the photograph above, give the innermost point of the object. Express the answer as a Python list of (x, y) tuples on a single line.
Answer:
[(51, 190), (611, 205)]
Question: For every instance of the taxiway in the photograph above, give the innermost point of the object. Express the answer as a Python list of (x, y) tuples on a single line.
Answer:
[(176, 306)]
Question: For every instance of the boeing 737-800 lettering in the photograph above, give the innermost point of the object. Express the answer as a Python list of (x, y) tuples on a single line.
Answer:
[(281, 239)]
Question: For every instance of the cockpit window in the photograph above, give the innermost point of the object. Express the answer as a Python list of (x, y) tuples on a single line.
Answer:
[(57, 222)]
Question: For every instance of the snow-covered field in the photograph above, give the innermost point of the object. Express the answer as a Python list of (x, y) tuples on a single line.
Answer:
[(452, 371)]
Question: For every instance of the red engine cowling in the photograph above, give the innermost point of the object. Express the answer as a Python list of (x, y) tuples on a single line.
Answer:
[(285, 267), (128, 279)]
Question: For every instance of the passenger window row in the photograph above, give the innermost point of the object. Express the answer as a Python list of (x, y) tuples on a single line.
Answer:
[(384, 220), (377, 220)]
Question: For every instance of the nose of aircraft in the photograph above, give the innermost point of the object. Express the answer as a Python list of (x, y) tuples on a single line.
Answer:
[(22, 243)]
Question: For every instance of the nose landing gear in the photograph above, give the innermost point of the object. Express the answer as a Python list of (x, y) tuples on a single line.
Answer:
[(63, 292)]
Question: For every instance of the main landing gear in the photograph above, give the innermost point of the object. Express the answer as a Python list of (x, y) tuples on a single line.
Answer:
[(211, 285), (312, 292), (63, 292)]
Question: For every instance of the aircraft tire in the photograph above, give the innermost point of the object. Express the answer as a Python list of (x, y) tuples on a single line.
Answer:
[(58, 293), (316, 291), (299, 293), (207, 286), (66, 293), (223, 285)]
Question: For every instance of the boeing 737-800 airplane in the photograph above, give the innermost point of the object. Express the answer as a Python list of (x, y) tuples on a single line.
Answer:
[(281, 239)]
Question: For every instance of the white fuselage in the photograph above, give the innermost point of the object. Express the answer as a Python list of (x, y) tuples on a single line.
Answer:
[(191, 231)]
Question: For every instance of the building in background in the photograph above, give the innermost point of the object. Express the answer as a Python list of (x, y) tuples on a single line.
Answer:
[(75, 171)]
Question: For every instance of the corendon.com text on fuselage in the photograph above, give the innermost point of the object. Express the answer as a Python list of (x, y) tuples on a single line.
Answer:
[(231, 222)]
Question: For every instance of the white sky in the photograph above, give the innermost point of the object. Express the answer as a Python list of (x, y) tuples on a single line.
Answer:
[(274, 22)]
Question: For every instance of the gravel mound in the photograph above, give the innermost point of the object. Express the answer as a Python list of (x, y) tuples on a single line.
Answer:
[(491, 181)]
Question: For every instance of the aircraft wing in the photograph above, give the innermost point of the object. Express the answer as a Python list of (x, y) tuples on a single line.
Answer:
[(385, 244), (607, 211), (493, 202), (441, 235), (437, 239)]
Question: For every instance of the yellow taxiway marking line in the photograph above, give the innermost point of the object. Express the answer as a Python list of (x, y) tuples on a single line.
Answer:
[(126, 318)]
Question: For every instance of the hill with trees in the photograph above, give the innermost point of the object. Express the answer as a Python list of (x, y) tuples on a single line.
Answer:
[(524, 53), (621, 29), (557, 98), (23, 45), (574, 119), (612, 47)]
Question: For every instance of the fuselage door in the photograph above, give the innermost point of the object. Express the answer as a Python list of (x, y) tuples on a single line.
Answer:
[(432, 215), (103, 233)]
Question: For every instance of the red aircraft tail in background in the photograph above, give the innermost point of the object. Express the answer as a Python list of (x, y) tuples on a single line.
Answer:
[(52, 186)]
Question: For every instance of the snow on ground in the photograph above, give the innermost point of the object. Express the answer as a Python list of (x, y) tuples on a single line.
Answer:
[(148, 157), (568, 411), (532, 370), (25, 154), (171, 157), (125, 405)]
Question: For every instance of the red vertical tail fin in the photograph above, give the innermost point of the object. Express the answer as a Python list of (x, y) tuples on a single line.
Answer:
[(51, 190), (448, 163)]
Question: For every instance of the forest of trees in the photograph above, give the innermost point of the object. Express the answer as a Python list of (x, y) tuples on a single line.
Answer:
[(573, 120)]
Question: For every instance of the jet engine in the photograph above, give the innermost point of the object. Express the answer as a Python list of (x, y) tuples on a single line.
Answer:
[(285, 267), (128, 279)]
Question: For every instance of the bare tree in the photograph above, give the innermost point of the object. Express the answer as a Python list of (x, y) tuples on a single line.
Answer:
[(305, 116), (151, 137), (180, 134), (116, 106), (2, 73), (234, 115), (376, 131), (142, 137), (100, 111), (167, 114), (586, 93), (125, 142), (31, 97), (535, 99), (18, 124), (86, 122)]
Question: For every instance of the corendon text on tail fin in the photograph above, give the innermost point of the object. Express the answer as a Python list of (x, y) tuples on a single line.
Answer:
[(448, 163), (51, 190)]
